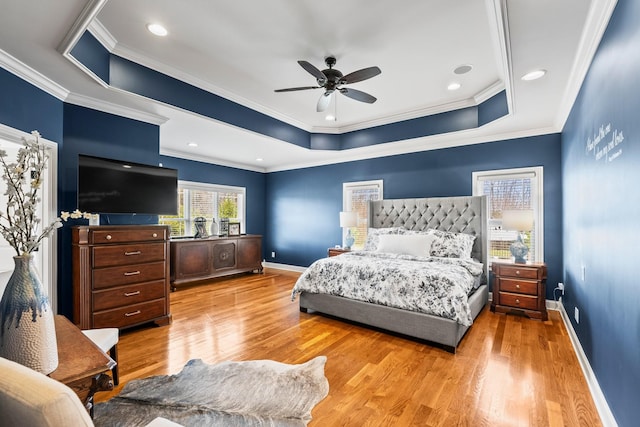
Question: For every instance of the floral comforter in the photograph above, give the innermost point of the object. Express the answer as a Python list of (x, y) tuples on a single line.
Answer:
[(434, 285)]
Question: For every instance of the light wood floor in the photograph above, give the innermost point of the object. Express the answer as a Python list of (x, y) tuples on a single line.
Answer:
[(508, 370)]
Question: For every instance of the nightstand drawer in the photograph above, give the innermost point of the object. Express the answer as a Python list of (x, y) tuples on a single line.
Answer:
[(518, 301), (519, 286), (519, 271)]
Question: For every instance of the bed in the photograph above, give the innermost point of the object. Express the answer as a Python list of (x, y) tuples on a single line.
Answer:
[(445, 324)]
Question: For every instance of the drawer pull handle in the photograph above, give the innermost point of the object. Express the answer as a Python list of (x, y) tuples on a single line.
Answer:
[(133, 253), (517, 301), (517, 286), (155, 234), (108, 237), (131, 294), (517, 272), (131, 273), (133, 313)]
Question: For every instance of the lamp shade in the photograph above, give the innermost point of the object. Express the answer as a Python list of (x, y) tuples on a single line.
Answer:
[(520, 220), (348, 219)]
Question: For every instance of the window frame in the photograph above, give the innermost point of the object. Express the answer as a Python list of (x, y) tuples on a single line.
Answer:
[(214, 188), (536, 173), (347, 187)]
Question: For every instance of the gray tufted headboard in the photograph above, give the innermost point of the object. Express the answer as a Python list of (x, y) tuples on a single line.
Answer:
[(466, 214)]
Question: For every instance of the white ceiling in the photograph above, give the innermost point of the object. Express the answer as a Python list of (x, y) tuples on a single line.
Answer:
[(244, 50)]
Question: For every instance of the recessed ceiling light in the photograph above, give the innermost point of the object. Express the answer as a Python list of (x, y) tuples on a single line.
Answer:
[(259, 159), (534, 75), (330, 117), (157, 29), (192, 144), (463, 69), (454, 86)]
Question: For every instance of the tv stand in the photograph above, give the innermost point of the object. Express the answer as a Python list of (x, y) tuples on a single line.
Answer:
[(195, 260)]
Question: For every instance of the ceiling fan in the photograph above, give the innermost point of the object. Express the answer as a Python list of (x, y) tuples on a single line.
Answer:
[(332, 80)]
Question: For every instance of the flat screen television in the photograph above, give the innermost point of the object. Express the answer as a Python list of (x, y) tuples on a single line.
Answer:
[(110, 186)]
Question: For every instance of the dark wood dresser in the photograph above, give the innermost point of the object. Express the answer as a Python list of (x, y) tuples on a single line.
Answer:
[(120, 275), (200, 259), (336, 251), (520, 288)]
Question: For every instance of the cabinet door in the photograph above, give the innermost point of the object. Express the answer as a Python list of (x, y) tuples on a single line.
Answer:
[(193, 260), (224, 254), (249, 253)]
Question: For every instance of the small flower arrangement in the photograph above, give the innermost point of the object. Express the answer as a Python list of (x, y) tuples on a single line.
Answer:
[(19, 223)]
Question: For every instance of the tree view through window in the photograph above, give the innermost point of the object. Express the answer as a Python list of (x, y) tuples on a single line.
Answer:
[(206, 201), (514, 189), (356, 197)]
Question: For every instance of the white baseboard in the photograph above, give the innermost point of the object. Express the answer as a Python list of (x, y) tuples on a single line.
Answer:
[(606, 416), (286, 267)]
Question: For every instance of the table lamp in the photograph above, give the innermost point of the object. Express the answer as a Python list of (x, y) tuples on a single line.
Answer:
[(348, 220), (520, 221)]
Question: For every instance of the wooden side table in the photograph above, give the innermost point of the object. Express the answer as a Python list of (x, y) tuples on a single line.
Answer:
[(337, 251), (520, 288), (82, 366)]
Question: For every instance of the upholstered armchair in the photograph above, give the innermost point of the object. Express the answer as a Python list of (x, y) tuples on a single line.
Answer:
[(29, 398)]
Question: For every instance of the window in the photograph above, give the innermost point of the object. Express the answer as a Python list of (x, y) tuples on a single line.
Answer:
[(205, 200), (512, 189), (356, 197)]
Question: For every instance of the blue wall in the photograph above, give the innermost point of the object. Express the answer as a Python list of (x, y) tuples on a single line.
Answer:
[(25, 107), (302, 213), (601, 211)]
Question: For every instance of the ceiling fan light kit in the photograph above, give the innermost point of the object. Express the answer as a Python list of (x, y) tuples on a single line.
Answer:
[(332, 80)]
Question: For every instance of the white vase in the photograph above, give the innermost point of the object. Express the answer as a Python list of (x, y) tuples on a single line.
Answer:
[(27, 325)]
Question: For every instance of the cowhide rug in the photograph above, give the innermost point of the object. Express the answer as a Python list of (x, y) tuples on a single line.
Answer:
[(252, 393)]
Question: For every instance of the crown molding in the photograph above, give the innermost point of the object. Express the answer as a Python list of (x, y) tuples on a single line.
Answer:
[(88, 14), (32, 76), (425, 143), (103, 35), (117, 109), (497, 12), (208, 159), (596, 24)]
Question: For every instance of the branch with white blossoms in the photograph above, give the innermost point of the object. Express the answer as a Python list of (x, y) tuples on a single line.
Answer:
[(19, 224)]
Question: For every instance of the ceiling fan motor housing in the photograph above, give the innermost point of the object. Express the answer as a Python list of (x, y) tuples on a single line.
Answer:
[(333, 78)]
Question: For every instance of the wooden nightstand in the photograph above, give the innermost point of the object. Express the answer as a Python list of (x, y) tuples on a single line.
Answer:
[(336, 251), (520, 288)]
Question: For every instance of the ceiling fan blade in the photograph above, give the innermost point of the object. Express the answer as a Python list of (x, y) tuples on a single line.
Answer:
[(291, 89), (324, 101), (360, 75), (358, 95), (311, 69)]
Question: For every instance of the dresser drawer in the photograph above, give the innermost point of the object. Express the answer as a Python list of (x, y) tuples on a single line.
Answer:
[(106, 256), (519, 286), (519, 301), (128, 274), (129, 315), (519, 271), (126, 295), (141, 234)]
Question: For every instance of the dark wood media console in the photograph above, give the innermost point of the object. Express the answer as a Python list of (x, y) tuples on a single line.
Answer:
[(199, 259)]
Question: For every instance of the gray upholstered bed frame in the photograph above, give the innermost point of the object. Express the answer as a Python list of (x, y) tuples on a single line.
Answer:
[(458, 214)]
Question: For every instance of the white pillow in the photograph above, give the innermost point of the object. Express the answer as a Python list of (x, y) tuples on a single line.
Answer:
[(418, 245)]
